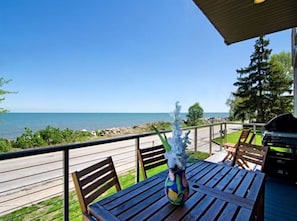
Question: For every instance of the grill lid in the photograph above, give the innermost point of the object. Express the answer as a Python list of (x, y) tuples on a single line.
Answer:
[(282, 123)]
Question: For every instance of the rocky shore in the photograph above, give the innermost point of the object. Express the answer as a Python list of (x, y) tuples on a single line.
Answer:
[(120, 131)]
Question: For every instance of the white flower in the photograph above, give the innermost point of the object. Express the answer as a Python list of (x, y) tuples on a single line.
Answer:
[(176, 145), (177, 156)]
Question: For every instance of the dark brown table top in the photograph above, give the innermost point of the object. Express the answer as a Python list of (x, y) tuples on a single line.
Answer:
[(217, 192)]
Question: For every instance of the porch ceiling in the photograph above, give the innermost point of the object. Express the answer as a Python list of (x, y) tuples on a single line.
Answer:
[(238, 20)]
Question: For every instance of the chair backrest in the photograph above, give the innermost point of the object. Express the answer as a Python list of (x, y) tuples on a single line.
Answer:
[(251, 138), (250, 156), (151, 157), (244, 135), (93, 181)]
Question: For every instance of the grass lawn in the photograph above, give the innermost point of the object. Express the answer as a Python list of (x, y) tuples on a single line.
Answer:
[(233, 138), (198, 155)]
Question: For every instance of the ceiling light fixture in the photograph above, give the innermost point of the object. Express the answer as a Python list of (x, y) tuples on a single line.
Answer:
[(258, 1)]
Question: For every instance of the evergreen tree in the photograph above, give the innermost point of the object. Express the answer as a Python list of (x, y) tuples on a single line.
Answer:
[(264, 88), (252, 83)]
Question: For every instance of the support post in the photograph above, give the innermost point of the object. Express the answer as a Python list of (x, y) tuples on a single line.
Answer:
[(195, 140), (210, 142), (225, 132), (294, 64), (221, 134), (137, 146), (66, 184)]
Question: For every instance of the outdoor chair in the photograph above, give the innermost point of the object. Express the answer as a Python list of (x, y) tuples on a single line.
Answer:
[(231, 147), (251, 138), (250, 156), (151, 157), (92, 182)]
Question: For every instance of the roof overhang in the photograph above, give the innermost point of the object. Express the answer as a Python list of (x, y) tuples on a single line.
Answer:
[(238, 20)]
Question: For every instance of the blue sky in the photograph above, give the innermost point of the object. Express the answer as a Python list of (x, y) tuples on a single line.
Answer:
[(117, 56)]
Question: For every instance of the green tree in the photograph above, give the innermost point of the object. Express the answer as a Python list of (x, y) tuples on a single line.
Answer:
[(264, 88), (3, 92), (236, 111), (280, 85), (195, 113), (251, 82)]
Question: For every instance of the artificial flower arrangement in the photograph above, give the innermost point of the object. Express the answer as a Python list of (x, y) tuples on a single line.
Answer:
[(176, 184)]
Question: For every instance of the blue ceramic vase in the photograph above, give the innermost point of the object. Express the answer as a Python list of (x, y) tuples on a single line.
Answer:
[(176, 186)]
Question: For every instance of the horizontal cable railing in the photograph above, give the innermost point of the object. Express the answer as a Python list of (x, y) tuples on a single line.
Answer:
[(30, 178)]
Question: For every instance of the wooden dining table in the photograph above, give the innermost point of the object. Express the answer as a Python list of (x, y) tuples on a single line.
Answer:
[(217, 192)]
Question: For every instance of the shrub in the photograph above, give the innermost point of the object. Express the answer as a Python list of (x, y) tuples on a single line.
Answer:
[(48, 137), (5, 145), (25, 140)]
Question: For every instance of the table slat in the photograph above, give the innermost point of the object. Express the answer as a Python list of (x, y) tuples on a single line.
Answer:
[(133, 194), (141, 204)]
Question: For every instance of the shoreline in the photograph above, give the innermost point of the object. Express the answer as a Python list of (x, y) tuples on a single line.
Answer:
[(142, 128), (89, 125)]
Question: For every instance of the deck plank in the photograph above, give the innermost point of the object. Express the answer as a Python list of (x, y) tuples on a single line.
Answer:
[(280, 200)]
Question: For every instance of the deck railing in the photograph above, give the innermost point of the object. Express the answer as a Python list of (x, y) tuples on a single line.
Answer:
[(33, 176)]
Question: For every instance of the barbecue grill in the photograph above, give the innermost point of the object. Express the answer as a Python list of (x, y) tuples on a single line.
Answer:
[(281, 136)]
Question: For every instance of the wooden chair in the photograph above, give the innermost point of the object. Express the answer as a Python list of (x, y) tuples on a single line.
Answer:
[(92, 182), (250, 156), (231, 147), (151, 157), (252, 138)]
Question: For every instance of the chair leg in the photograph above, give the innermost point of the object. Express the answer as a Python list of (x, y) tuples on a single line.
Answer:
[(227, 157), (230, 153)]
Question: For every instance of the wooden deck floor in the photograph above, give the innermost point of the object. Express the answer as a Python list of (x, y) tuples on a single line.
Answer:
[(280, 200), (280, 195)]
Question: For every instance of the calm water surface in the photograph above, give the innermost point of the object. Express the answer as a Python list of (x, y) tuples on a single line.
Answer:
[(12, 125)]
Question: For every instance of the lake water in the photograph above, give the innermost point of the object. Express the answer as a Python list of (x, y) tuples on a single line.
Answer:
[(12, 125)]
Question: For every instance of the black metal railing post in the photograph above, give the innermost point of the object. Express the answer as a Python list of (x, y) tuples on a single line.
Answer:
[(137, 145), (210, 139), (66, 184), (221, 135), (195, 140), (225, 132)]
